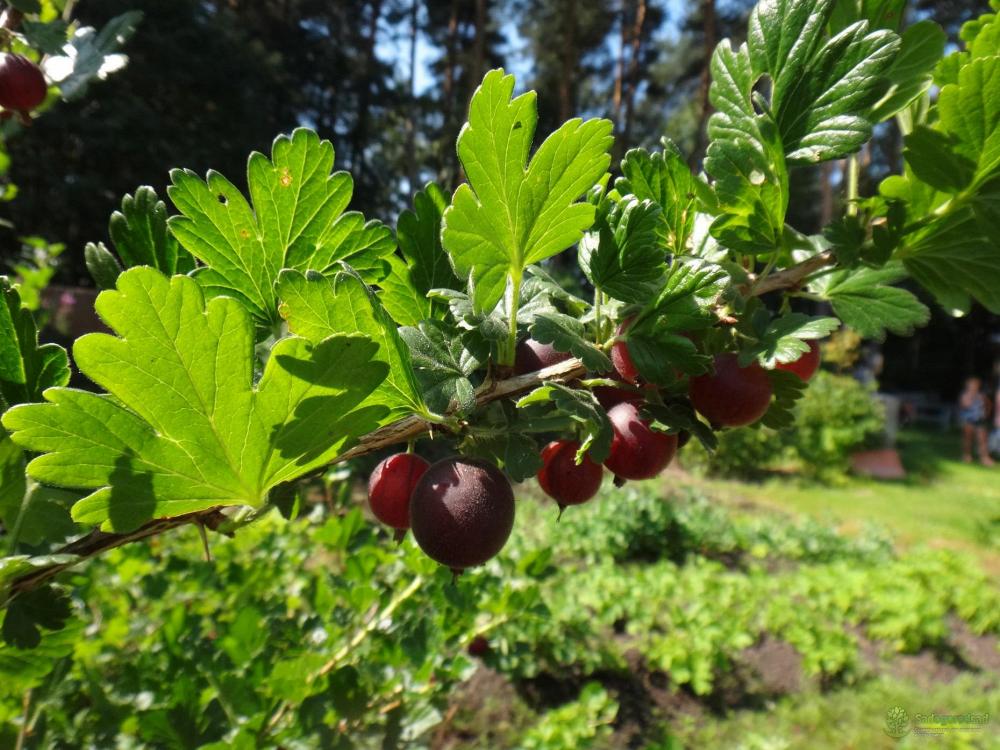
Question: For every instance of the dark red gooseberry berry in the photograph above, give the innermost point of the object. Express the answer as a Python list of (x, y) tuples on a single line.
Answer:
[(390, 486), (609, 396), (478, 646), (565, 481), (22, 85), (532, 356), (637, 452), (806, 365), (620, 356), (462, 512), (731, 396)]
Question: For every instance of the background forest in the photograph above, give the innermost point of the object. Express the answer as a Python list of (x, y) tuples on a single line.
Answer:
[(388, 81)]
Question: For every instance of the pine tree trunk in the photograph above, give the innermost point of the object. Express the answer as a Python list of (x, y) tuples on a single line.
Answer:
[(616, 97), (411, 122), (360, 133), (567, 81), (448, 163), (633, 75), (704, 105), (479, 50)]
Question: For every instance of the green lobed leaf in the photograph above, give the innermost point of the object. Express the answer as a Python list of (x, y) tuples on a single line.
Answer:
[(183, 427), (13, 484), (296, 221), (510, 215), (442, 364), (45, 607), (48, 37), (583, 409), (41, 514), (679, 416), (27, 368), (140, 236), (819, 86), (92, 55), (21, 668), (912, 70), (103, 267), (787, 388), (865, 300), (970, 108), (954, 261), (661, 356), (744, 158), (932, 157), (785, 338), (567, 334), (425, 264), (880, 14), (664, 178), (626, 256), (501, 438), (317, 307)]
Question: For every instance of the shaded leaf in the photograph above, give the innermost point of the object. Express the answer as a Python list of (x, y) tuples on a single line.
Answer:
[(317, 307), (567, 334)]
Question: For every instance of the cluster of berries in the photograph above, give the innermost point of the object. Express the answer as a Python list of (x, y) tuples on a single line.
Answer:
[(461, 510)]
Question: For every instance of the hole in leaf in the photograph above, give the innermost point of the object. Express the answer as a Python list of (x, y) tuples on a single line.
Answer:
[(760, 94), (223, 199)]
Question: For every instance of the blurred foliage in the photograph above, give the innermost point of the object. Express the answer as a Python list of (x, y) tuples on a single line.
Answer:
[(322, 632), (836, 416)]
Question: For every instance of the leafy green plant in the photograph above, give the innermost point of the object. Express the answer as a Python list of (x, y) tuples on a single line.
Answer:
[(259, 339)]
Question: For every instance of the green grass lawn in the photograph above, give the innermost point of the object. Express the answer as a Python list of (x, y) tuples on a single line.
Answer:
[(943, 502), (854, 718)]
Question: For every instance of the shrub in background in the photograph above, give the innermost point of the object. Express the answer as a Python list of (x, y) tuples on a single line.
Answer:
[(836, 416)]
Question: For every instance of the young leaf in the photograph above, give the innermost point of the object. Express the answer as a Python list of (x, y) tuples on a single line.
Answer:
[(297, 221), (786, 338), (442, 365), (626, 256), (664, 178), (317, 307), (26, 368), (508, 216), (102, 265), (677, 416), (788, 388), (140, 237), (581, 407), (566, 334), (864, 300), (183, 427)]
